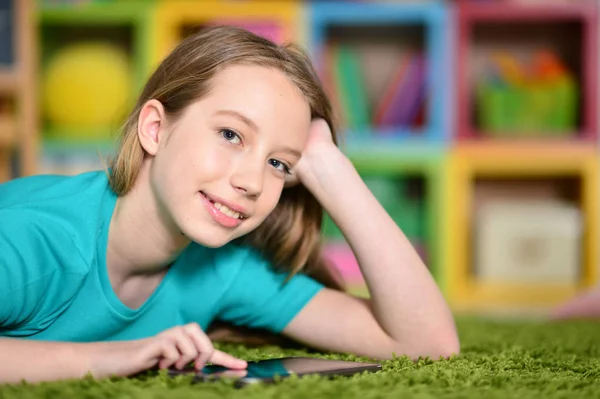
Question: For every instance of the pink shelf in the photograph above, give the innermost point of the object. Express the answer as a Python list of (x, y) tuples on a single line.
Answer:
[(483, 14), (514, 11)]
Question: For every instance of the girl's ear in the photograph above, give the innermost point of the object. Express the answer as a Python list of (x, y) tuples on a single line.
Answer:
[(151, 125)]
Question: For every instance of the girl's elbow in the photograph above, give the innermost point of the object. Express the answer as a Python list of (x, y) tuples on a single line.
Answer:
[(443, 346)]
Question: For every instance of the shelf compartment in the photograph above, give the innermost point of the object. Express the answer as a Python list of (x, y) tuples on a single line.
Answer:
[(178, 18), (568, 30), (381, 45), (411, 190), (481, 173), (125, 28)]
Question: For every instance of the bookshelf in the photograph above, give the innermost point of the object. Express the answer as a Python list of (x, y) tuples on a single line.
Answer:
[(18, 128), (524, 182), (432, 167)]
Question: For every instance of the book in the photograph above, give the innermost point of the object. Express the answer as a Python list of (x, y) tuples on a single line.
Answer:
[(353, 96)]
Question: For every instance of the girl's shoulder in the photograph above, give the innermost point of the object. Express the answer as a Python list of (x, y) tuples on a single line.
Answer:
[(57, 216), (36, 189)]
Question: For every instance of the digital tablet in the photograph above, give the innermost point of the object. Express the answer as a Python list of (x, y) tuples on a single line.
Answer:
[(267, 371)]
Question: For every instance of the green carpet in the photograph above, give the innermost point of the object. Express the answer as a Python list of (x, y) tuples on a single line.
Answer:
[(499, 359)]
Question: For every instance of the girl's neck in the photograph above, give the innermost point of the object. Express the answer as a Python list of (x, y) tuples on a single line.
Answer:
[(141, 240)]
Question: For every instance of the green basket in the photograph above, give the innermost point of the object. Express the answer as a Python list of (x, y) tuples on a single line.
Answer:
[(544, 111)]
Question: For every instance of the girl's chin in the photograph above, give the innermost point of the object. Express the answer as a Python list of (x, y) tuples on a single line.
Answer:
[(210, 237)]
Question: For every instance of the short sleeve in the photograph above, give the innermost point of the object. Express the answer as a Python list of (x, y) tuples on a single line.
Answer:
[(35, 281), (260, 297)]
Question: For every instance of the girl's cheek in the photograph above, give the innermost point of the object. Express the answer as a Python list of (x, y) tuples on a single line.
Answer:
[(216, 162)]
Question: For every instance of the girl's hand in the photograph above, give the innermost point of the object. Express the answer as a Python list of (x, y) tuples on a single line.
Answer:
[(319, 145), (176, 347)]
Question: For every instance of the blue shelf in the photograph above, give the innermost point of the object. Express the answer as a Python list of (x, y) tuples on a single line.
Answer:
[(433, 16)]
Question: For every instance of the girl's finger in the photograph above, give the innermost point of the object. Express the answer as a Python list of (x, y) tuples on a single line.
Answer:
[(169, 353), (203, 343), (187, 348), (226, 360)]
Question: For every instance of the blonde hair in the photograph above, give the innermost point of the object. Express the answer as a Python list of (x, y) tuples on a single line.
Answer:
[(290, 236)]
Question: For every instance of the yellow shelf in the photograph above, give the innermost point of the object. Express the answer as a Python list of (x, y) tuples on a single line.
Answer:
[(490, 295), (514, 161), (171, 16)]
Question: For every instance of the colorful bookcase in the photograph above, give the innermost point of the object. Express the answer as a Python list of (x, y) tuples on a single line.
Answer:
[(523, 172), (473, 122)]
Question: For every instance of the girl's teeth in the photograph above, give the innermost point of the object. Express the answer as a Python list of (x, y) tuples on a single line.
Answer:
[(224, 209)]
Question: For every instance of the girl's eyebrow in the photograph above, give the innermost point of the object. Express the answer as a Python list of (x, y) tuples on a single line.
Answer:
[(249, 122), (292, 151)]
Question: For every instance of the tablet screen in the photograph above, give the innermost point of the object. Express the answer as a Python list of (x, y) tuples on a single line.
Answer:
[(284, 367)]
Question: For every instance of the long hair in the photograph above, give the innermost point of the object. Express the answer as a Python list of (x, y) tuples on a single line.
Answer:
[(290, 235)]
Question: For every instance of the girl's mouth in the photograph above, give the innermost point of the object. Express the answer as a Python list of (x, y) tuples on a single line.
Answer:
[(221, 213)]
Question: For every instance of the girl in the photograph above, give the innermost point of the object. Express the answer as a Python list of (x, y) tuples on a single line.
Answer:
[(210, 211)]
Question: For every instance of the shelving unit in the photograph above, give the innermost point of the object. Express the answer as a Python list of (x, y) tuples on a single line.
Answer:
[(434, 166), (18, 127)]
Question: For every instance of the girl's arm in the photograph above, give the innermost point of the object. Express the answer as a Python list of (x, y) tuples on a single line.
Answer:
[(407, 314), (35, 361)]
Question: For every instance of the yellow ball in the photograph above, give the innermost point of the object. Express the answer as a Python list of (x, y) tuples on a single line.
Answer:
[(87, 86)]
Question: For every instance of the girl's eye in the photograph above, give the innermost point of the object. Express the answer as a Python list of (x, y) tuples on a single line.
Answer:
[(231, 136), (280, 166)]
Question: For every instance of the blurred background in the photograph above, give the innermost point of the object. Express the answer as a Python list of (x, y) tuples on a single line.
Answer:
[(473, 122)]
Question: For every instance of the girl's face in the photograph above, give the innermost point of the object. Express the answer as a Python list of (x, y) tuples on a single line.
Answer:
[(219, 170)]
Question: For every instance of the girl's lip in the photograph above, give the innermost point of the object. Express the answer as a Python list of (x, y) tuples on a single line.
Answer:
[(234, 207), (218, 216)]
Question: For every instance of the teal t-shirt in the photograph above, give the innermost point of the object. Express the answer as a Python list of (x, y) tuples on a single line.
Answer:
[(54, 283)]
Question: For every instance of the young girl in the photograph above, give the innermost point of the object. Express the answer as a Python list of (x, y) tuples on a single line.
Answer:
[(210, 211)]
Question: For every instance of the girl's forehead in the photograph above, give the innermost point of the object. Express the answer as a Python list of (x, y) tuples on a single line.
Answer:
[(256, 92)]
